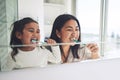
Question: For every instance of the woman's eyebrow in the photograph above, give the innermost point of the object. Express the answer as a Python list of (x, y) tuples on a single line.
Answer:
[(71, 27), (29, 27)]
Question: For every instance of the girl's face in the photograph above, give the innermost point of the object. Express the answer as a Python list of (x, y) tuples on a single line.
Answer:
[(31, 32), (69, 32)]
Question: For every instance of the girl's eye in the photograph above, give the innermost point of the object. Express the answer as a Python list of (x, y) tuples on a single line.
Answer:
[(38, 31), (31, 30)]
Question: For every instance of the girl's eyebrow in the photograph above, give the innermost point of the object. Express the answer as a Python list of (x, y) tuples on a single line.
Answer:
[(29, 28), (32, 28)]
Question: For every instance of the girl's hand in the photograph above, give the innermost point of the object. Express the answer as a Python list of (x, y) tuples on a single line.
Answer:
[(94, 50), (51, 41)]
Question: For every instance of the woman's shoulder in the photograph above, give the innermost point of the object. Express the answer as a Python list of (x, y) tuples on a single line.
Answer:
[(81, 48)]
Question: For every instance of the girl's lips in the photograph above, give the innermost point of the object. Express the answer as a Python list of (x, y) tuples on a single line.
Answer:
[(34, 40)]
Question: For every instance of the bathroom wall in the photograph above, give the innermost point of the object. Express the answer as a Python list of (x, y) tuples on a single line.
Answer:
[(33, 9), (8, 14)]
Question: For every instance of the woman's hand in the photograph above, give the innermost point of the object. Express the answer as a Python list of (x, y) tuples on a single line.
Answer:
[(51, 41), (94, 50)]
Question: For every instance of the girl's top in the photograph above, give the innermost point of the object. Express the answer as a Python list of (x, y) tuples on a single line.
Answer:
[(39, 57)]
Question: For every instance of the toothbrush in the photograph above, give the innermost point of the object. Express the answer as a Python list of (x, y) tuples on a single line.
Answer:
[(41, 44), (57, 44), (34, 41), (76, 41)]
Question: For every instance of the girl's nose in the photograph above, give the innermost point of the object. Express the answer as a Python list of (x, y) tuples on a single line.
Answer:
[(35, 34)]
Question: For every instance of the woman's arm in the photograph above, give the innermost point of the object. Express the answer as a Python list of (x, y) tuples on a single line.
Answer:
[(94, 50), (55, 56)]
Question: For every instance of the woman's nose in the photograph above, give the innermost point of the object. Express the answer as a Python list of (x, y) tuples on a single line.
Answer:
[(73, 33)]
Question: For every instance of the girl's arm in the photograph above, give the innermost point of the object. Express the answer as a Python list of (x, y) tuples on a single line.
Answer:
[(8, 64)]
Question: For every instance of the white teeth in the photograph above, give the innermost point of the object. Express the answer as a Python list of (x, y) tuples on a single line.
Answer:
[(74, 40), (34, 40)]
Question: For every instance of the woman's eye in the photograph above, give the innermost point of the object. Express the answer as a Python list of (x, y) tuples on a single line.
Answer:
[(77, 29), (69, 30)]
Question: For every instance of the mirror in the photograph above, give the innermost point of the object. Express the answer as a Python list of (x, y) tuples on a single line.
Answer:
[(97, 26), (94, 27)]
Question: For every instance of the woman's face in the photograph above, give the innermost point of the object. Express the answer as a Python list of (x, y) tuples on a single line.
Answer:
[(30, 35), (69, 32)]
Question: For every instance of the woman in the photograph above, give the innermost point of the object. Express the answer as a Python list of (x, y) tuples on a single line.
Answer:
[(66, 29)]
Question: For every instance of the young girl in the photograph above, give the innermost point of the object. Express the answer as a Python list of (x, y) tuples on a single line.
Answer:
[(26, 33)]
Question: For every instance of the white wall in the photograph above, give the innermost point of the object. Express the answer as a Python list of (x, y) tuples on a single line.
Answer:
[(33, 9), (52, 10), (108, 69), (40, 11)]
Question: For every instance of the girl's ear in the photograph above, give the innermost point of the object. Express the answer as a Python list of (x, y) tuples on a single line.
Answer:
[(58, 34), (18, 35)]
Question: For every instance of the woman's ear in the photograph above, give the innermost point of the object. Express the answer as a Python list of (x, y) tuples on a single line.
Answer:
[(18, 35), (58, 34)]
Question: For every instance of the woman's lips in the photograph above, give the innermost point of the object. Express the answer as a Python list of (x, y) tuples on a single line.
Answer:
[(74, 40)]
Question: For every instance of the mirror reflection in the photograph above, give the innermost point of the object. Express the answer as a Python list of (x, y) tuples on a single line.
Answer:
[(25, 36), (69, 34)]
